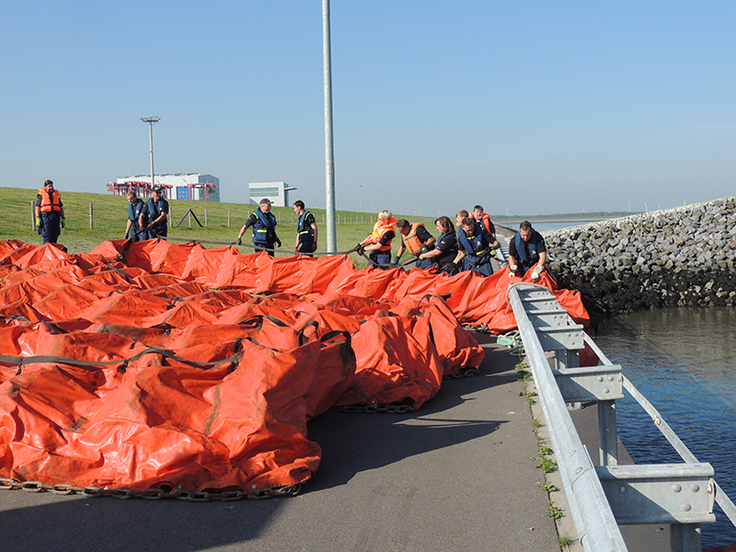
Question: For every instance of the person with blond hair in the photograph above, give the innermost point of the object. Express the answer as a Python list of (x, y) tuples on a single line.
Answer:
[(379, 241)]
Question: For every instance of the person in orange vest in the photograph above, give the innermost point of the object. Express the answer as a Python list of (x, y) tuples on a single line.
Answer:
[(415, 238), (379, 242), (49, 213), (484, 220)]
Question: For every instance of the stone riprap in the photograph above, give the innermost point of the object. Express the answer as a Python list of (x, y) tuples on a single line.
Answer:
[(668, 258)]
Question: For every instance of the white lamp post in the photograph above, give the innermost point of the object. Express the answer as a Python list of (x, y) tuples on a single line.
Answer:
[(151, 121)]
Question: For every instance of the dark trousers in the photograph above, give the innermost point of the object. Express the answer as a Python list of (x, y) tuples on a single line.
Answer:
[(50, 227), (305, 247), (481, 266), (267, 247), (381, 258)]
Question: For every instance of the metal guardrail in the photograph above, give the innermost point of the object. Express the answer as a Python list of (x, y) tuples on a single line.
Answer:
[(603, 497), (591, 513)]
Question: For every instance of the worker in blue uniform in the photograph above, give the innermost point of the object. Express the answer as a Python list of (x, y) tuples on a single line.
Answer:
[(263, 222), (154, 215), (526, 250), (445, 248), (135, 207), (475, 247), (306, 230)]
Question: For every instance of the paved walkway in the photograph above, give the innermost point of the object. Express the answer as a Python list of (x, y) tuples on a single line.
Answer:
[(458, 475)]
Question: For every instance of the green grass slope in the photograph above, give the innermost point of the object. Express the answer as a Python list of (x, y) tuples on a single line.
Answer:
[(109, 215)]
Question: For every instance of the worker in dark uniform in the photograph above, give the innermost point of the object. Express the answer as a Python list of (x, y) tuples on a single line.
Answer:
[(445, 248), (527, 250), (263, 222), (135, 207), (306, 230), (49, 213), (154, 215), (475, 246), (415, 238)]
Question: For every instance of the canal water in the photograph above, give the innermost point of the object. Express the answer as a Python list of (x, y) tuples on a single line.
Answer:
[(684, 361)]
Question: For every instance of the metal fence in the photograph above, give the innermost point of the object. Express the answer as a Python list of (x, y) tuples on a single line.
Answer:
[(602, 498)]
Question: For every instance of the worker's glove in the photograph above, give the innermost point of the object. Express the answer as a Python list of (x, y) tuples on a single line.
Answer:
[(421, 256), (492, 253), (452, 269), (425, 249), (537, 272), (395, 261), (126, 236), (514, 268), (238, 242), (360, 249), (278, 242), (38, 222), (63, 222)]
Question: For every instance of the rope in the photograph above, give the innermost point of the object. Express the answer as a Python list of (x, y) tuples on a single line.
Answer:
[(20, 361), (254, 247)]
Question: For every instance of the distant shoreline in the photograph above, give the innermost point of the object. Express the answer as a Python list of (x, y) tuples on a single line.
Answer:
[(533, 220)]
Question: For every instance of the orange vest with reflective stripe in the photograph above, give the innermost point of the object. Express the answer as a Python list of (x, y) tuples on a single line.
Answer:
[(49, 203), (380, 229), (411, 241)]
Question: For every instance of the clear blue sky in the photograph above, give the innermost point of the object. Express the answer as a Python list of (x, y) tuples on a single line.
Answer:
[(524, 107)]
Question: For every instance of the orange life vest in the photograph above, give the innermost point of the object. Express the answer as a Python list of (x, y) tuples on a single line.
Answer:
[(49, 202), (411, 241), (486, 221), (380, 229)]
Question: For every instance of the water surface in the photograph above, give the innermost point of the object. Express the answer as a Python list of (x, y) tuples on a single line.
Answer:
[(684, 361)]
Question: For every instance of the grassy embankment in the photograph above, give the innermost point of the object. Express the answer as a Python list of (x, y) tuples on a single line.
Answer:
[(110, 214)]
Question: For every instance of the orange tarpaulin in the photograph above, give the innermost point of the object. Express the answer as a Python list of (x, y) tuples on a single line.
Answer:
[(149, 364)]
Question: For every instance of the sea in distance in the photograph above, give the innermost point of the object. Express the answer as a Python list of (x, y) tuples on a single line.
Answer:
[(541, 226), (684, 361)]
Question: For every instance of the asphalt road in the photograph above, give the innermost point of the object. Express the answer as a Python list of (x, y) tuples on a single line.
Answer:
[(459, 475)]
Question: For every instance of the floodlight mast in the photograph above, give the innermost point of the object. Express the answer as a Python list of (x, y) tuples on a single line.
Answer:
[(329, 150), (151, 121)]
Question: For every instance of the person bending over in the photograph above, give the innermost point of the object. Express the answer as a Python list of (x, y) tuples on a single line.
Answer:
[(415, 238), (527, 250)]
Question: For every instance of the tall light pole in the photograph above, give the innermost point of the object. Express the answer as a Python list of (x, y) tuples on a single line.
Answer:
[(329, 151), (151, 121)]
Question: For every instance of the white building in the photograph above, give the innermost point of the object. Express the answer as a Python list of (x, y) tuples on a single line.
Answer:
[(277, 192), (190, 186)]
